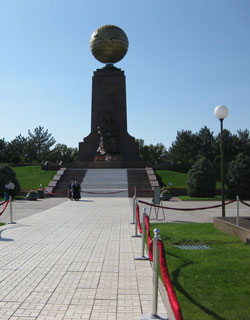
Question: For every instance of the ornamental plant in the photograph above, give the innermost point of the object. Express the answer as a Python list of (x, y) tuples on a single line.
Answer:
[(238, 177), (201, 179)]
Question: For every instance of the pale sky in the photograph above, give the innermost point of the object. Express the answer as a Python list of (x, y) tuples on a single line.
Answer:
[(185, 57)]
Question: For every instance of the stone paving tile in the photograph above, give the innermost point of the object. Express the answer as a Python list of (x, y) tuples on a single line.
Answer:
[(75, 261)]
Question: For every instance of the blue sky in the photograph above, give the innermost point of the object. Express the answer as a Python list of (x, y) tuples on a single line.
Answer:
[(185, 57)]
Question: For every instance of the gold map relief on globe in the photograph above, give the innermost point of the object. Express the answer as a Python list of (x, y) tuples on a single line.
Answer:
[(109, 44)]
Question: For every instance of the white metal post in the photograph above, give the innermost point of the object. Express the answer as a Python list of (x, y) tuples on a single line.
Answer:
[(136, 235), (133, 222), (10, 202), (237, 210), (155, 272), (143, 257)]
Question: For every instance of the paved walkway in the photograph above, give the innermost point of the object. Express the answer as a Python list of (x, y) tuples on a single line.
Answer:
[(74, 261)]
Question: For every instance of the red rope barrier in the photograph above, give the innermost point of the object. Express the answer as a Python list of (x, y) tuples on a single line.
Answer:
[(168, 284), (138, 218), (57, 193), (6, 203), (112, 192), (185, 209), (246, 204), (1, 203), (149, 240)]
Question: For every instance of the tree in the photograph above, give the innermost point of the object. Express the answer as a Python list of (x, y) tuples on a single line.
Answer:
[(41, 141), (152, 154), (7, 174), (243, 143), (230, 145), (238, 177), (63, 153), (3, 149), (184, 149), (205, 144), (201, 179)]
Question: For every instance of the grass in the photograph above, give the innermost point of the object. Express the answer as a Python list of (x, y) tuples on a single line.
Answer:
[(188, 198), (210, 284), (178, 179), (30, 177)]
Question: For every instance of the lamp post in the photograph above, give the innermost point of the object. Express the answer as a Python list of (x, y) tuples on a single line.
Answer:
[(221, 112)]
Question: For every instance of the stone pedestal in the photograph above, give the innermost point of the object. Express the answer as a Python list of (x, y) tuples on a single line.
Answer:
[(109, 110)]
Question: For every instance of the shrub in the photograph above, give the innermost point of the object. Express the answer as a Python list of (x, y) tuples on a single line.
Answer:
[(15, 159), (6, 174), (238, 177), (201, 179)]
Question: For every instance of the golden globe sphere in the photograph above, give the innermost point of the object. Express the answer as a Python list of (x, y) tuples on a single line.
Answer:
[(109, 44)]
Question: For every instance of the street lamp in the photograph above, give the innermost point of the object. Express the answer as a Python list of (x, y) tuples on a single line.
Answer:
[(221, 112)]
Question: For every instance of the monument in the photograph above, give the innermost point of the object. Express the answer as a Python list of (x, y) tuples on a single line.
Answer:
[(109, 139)]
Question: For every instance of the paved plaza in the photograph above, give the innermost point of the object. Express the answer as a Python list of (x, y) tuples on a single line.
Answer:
[(75, 259)]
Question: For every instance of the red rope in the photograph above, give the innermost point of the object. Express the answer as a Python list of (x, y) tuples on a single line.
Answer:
[(6, 203), (246, 204), (149, 240), (168, 284), (112, 192), (55, 194), (1, 203), (138, 218), (185, 209)]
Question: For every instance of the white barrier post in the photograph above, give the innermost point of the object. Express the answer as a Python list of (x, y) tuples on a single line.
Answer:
[(155, 272), (136, 235), (237, 211), (143, 257), (11, 214), (155, 267), (134, 199)]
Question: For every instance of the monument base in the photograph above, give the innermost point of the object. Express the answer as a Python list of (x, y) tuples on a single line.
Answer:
[(109, 119)]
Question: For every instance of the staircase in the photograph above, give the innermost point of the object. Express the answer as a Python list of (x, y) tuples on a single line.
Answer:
[(105, 183), (65, 180), (138, 178)]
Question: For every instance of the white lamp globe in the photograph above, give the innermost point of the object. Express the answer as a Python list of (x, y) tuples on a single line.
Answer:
[(221, 112)]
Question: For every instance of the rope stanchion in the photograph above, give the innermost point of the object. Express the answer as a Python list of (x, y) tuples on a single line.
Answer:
[(6, 204), (143, 257), (149, 239), (168, 284), (185, 209), (138, 218)]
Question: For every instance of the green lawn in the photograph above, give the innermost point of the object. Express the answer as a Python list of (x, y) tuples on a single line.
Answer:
[(210, 284), (30, 177), (178, 179)]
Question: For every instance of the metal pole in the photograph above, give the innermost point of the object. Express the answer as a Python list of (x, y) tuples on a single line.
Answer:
[(10, 201), (143, 232), (238, 210), (133, 222), (222, 170), (155, 272), (135, 191), (136, 223), (143, 257), (136, 235)]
